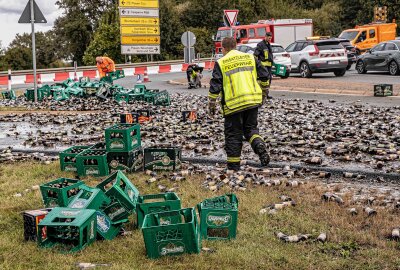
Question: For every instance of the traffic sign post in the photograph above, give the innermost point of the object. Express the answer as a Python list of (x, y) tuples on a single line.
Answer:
[(230, 17), (188, 40), (32, 15), (140, 26)]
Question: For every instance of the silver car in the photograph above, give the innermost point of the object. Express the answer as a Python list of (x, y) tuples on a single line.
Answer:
[(318, 56)]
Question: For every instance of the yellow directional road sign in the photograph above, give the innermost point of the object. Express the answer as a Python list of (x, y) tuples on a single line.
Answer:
[(140, 30), (140, 21), (140, 40), (139, 3)]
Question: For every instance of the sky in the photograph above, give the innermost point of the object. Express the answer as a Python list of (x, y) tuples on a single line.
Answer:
[(10, 12)]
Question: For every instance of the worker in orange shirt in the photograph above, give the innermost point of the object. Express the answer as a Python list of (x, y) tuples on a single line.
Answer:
[(104, 65)]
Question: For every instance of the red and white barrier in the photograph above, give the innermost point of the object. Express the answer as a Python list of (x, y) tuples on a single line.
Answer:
[(93, 74)]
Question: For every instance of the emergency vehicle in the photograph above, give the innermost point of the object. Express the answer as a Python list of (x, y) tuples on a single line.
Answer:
[(285, 31)]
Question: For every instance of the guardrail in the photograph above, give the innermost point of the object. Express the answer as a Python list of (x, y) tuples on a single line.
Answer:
[(84, 68)]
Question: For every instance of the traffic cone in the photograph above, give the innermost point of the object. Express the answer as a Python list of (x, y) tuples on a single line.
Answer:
[(146, 77)]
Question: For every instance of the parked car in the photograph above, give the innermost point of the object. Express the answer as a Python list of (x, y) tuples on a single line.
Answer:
[(383, 57), (350, 51), (280, 55), (318, 56)]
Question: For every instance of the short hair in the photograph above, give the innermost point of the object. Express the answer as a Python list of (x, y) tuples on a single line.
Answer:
[(228, 43), (268, 34)]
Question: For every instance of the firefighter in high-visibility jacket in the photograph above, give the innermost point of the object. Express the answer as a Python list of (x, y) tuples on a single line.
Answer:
[(263, 52), (234, 78), (104, 65)]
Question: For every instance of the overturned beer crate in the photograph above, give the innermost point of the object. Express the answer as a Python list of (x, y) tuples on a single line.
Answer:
[(119, 189), (218, 217), (175, 238), (68, 158), (92, 162), (162, 98), (60, 94), (60, 192), (122, 96), (69, 229), (90, 198), (106, 228), (8, 94), (126, 161), (383, 90), (32, 219), (91, 88), (129, 118), (162, 158), (122, 137), (162, 202), (75, 91)]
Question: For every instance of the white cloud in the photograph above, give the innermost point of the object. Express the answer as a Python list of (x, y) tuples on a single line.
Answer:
[(10, 12)]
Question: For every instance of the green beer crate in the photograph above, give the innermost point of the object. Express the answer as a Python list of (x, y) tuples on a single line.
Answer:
[(171, 239), (116, 212), (106, 228), (98, 146), (75, 91), (162, 98), (69, 229), (42, 92), (119, 97), (68, 158), (92, 162), (119, 189), (112, 76), (8, 94), (67, 83), (60, 192), (279, 70), (137, 93), (383, 90), (218, 217), (162, 158), (60, 95), (91, 88), (126, 161), (149, 95), (158, 203), (123, 137), (90, 198)]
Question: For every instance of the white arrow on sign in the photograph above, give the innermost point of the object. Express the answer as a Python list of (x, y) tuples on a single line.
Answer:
[(140, 12), (231, 15), (140, 49)]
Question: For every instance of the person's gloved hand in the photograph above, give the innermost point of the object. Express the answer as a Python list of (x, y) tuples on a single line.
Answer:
[(212, 107), (265, 90)]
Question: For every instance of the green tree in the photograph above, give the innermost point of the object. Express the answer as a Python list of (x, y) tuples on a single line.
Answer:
[(19, 53)]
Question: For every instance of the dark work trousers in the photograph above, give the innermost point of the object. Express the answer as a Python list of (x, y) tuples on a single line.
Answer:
[(236, 126)]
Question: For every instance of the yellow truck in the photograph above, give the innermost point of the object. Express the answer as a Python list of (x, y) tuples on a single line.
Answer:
[(365, 37)]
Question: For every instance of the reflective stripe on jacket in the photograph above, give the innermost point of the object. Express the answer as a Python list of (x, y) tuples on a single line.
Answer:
[(239, 77)]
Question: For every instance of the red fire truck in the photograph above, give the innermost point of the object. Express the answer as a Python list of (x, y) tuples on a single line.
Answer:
[(284, 31)]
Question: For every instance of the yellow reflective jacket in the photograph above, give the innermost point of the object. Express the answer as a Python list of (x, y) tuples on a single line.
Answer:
[(239, 81)]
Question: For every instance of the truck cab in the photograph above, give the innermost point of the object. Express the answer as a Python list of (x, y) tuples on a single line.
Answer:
[(367, 36)]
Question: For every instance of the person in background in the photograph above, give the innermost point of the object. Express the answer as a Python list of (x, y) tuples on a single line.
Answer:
[(234, 78), (263, 52), (104, 65)]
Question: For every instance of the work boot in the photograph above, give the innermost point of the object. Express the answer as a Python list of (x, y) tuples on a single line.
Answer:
[(233, 166), (262, 152)]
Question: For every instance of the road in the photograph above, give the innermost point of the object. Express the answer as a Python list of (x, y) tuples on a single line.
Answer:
[(160, 81)]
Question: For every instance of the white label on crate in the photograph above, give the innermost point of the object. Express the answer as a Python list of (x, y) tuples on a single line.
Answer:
[(70, 213), (116, 213), (103, 224), (218, 220), (114, 164), (177, 249), (70, 168), (92, 171), (79, 203), (166, 160), (117, 145)]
